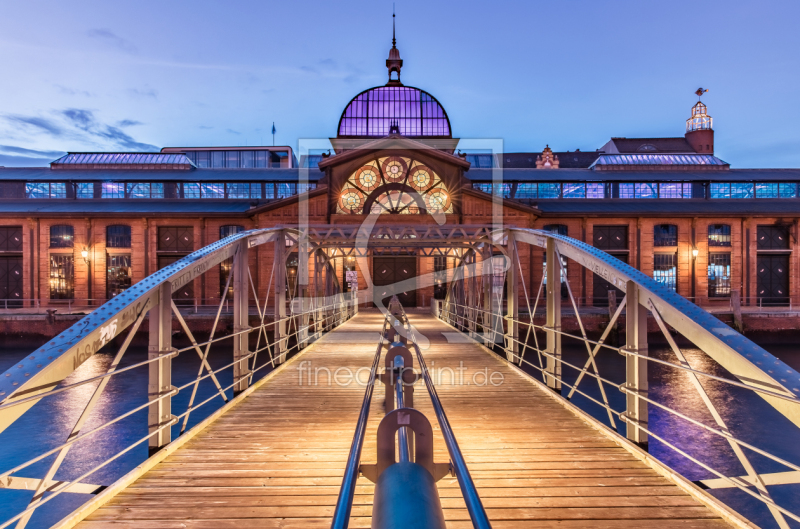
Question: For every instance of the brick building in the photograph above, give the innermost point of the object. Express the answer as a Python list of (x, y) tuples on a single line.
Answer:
[(91, 224)]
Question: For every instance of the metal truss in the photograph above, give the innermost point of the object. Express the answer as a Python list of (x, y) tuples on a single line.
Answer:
[(475, 305), (299, 317)]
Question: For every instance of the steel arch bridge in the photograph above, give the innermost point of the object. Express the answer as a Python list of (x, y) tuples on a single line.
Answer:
[(482, 301)]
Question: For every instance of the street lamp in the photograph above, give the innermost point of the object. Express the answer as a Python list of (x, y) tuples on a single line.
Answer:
[(695, 251), (85, 254)]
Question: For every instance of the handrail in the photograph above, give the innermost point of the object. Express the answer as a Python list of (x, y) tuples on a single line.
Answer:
[(344, 503), (475, 507)]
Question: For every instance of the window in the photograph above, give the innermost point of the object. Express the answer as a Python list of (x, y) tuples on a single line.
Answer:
[(262, 159), (10, 238), (559, 229), (487, 188), (776, 190), (719, 275), (85, 190), (285, 189), (732, 190), (610, 237), (118, 275), (741, 190), (626, 191), (674, 190), (646, 190), (665, 269), (232, 159), (212, 190), (439, 277), (304, 188), (176, 239), (227, 231), (45, 190), (246, 159), (62, 276), (719, 235), (118, 236), (595, 191), (526, 191), (202, 159), (243, 190), (665, 235), (217, 159), (113, 190), (62, 236), (191, 190), (550, 190), (788, 190), (574, 190), (226, 266), (145, 190), (772, 238)]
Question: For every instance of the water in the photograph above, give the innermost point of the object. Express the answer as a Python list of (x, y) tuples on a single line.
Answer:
[(48, 423), (747, 416)]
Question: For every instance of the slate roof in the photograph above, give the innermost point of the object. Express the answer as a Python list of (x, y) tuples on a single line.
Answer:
[(663, 145), (677, 207), (567, 160), (45, 174), (578, 175), (125, 207)]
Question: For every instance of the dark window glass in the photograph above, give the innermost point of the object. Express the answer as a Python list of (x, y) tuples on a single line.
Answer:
[(62, 277), (176, 239), (772, 238), (665, 235), (232, 159), (10, 238), (226, 265), (203, 159), (261, 158), (719, 275), (62, 236), (665, 269), (217, 159), (118, 236), (227, 231), (286, 189), (559, 229), (247, 159), (611, 237), (439, 276), (291, 276), (118, 278), (719, 235)]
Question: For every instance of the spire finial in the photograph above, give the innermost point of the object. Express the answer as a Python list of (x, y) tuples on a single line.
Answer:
[(394, 62)]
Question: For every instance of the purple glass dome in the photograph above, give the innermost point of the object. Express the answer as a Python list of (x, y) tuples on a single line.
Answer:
[(415, 112)]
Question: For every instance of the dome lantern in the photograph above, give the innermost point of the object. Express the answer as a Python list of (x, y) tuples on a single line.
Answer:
[(394, 62)]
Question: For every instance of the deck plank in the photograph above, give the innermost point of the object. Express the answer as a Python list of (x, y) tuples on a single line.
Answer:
[(277, 459)]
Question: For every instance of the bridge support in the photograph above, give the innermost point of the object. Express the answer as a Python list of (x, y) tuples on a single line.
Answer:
[(279, 313), (241, 318), (512, 304), (635, 367), (553, 322), (159, 413)]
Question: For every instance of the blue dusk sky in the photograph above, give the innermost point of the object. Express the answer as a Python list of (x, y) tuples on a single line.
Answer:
[(117, 75)]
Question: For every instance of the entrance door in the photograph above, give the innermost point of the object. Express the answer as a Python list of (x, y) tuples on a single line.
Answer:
[(391, 270), (773, 279), (601, 286), (10, 282)]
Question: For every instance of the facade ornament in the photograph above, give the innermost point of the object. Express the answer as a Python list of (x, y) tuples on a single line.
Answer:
[(547, 160)]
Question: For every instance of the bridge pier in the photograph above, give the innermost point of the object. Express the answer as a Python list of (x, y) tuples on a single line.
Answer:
[(635, 367), (159, 413), (241, 318), (553, 322)]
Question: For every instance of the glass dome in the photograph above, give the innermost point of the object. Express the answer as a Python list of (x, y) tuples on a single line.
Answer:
[(383, 110)]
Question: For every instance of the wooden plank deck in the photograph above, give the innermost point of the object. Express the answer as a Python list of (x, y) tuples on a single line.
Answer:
[(276, 460)]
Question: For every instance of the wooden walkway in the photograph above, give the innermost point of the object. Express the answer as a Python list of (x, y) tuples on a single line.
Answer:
[(276, 460)]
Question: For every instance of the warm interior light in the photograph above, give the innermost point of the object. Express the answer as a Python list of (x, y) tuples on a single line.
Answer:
[(695, 252), (85, 253)]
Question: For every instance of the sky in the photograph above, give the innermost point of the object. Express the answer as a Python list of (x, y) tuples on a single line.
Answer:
[(138, 76)]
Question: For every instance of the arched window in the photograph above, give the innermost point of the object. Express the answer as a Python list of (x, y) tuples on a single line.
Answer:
[(719, 235), (226, 265), (394, 185), (118, 236), (62, 236), (665, 235)]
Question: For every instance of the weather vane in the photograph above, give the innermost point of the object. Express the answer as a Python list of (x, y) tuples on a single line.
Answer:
[(700, 92)]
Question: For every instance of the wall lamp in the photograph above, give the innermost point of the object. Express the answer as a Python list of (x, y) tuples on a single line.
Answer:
[(85, 254), (695, 251)]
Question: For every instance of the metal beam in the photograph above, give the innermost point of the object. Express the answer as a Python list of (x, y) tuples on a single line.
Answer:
[(160, 372), (635, 366), (241, 319), (553, 321)]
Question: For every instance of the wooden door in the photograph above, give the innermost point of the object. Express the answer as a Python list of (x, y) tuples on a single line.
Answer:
[(390, 271)]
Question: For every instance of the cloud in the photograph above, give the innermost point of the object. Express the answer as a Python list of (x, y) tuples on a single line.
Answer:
[(205, 127), (73, 91), (231, 131), (35, 124), (81, 124), (112, 39), (143, 93), (83, 119), (7, 160), (30, 152), (128, 123)]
